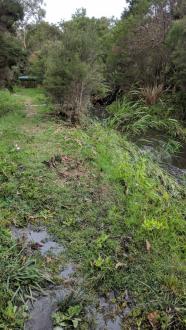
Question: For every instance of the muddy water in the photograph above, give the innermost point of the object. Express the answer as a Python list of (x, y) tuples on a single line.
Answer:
[(108, 315), (40, 240), (101, 318), (175, 165), (40, 317), (179, 160), (105, 316), (67, 271)]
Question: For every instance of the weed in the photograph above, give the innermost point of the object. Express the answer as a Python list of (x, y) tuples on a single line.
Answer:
[(70, 313)]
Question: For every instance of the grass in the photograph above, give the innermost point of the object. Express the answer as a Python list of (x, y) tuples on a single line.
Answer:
[(8, 103), (137, 119), (120, 217)]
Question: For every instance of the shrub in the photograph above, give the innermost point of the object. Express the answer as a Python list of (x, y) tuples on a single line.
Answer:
[(74, 69), (151, 95)]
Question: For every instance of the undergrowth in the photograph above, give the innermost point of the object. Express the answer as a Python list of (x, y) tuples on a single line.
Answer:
[(120, 217), (8, 103), (136, 119)]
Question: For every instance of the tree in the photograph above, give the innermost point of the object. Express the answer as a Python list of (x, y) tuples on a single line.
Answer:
[(176, 41), (10, 13), (75, 67), (39, 38), (33, 13), (139, 54)]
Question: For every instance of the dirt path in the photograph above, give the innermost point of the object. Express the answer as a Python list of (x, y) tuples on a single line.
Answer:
[(37, 238)]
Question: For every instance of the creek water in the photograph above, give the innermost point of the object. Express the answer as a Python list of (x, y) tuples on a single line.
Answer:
[(154, 144), (179, 160)]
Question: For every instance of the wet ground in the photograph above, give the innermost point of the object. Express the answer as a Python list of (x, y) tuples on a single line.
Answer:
[(39, 240), (40, 317), (105, 316), (67, 271), (110, 313)]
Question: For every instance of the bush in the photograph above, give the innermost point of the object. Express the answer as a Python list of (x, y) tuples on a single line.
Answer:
[(176, 41), (151, 95), (74, 69)]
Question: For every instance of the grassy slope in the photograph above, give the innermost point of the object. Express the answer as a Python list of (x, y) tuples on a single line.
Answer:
[(119, 216)]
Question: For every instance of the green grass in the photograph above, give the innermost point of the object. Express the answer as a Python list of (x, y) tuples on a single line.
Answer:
[(120, 217), (8, 103), (136, 119)]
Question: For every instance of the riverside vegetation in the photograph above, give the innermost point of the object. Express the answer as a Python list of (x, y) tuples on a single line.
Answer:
[(119, 216)]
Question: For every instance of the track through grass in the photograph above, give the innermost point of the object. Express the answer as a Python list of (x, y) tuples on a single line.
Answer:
[(119, 216)]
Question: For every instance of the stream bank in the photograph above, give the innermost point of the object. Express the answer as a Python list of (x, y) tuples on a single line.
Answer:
[(101, 219)]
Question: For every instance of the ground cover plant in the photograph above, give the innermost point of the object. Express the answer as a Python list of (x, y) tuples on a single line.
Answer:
[(120, 217)]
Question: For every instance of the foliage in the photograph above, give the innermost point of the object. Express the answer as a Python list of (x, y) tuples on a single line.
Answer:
[(33, 13), (135, 118), (39, 38), (33, 10), (74, 67), (8, 103), (10, 52), (136, 57), (10, 12), (141, 52), (176, 41)]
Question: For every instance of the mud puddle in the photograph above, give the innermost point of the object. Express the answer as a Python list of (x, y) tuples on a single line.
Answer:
[(40, 317), (39, 240), (108, 315), (67, 271)]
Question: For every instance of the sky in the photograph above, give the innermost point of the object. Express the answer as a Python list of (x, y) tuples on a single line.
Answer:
[(56, 10)]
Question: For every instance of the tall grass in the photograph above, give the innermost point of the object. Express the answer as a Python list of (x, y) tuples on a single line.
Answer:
[(136, 119), (8, 103), (151, 95), (20, 278)]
